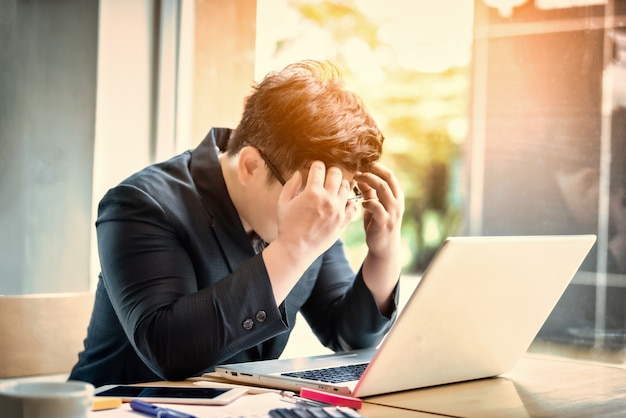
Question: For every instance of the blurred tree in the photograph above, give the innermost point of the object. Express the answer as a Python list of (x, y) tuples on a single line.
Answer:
[(417, 111)]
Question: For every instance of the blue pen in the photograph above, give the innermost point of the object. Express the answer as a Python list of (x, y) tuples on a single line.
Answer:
[(157, 411)]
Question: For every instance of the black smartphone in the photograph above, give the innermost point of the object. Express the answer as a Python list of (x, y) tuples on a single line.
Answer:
[(171, 394)]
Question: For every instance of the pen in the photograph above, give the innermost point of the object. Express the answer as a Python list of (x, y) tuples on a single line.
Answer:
[(157, 411), (288, 396)]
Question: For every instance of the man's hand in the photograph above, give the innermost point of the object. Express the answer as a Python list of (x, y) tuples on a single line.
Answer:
[(310, 220), (383, 201), (383, 210)]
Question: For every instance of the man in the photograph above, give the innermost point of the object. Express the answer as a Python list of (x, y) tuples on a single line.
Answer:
[(207, 258)]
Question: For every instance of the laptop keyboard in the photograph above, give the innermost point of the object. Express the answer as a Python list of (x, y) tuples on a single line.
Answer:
[(338, 374)]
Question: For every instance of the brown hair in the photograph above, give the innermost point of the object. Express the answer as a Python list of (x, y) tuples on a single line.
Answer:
[(304, 113)]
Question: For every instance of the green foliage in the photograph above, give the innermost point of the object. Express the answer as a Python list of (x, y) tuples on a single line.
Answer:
[(342, 19), (416, 111)]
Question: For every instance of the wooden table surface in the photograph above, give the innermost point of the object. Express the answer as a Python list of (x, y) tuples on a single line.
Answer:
[(536, 387)]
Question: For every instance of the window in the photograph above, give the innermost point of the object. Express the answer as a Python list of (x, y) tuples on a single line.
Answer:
[(521, 131), (547, 152)]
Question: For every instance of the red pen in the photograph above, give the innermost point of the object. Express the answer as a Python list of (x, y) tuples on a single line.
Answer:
[(331, 398)]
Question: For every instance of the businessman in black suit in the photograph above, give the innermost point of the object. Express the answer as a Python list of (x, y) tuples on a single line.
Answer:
[(207, 258)]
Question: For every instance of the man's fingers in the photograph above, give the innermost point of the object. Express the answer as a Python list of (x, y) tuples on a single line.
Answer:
[(317, 174), (292, 187)]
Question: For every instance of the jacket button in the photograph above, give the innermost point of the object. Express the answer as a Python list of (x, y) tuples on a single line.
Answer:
[(248, 324), (260, 316)]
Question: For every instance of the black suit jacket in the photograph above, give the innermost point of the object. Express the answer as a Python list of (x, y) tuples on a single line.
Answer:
[(181, 288)]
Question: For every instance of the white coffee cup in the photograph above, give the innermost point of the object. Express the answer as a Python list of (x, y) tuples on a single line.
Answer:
[(71, 399)]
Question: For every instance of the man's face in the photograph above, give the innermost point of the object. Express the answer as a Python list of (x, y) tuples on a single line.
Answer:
[(265, 212)]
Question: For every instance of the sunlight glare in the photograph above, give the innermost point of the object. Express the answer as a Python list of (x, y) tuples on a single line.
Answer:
[(422, 35), (427, 36)]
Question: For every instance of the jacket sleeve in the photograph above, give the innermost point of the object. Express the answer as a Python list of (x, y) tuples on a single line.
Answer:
[(341, 310), (177, 329)]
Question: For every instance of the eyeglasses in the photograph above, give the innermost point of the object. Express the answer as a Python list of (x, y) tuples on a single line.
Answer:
[(272, 168), (281, 179)]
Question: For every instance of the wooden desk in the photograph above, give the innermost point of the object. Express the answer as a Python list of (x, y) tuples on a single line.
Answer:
[(383, 411), (537, 387)]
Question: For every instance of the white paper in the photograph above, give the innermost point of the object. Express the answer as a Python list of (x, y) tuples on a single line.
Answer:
[(248, 406)]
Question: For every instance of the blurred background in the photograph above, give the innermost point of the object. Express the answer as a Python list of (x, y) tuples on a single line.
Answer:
[(409, 60), (501, 117)]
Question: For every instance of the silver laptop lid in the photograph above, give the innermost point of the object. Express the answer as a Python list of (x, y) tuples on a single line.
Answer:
[(477, 309)]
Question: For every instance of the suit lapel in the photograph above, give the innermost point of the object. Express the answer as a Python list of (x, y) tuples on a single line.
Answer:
[(209, 181)]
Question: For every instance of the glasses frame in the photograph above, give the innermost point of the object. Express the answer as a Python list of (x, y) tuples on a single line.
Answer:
[(272, 168), (357, 193)]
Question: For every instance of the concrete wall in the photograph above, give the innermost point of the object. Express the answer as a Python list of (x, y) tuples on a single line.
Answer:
[(90, 92), (47, 117)]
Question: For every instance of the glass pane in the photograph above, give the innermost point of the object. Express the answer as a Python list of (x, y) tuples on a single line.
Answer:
[(549, 114)]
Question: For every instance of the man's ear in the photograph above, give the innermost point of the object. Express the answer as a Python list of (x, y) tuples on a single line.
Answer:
[(248, 165)]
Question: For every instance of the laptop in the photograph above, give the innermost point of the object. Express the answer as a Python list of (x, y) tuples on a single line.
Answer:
[(474, 313)]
